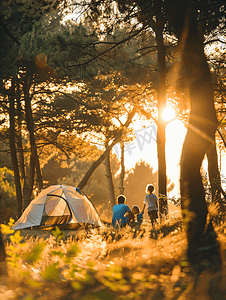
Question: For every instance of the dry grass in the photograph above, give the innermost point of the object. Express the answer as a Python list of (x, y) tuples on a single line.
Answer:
[(108, 264)]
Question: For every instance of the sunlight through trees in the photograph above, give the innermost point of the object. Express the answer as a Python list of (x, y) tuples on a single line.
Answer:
[(79, 77)]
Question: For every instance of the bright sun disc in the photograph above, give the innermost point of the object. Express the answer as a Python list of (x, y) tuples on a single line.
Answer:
[(168, 114)]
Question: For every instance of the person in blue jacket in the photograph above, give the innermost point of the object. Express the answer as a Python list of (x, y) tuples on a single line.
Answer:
[(119, 210)]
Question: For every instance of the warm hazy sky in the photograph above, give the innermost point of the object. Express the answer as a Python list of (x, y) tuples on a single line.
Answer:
[(144, 147)]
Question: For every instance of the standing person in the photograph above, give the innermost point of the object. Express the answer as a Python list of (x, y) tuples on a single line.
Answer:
[(152, 203), (119, 211)]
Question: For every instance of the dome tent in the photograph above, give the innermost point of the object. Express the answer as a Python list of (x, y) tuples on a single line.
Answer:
[(59, 205)]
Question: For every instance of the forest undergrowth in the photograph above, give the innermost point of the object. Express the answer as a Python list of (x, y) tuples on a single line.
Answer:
[(99, 264)]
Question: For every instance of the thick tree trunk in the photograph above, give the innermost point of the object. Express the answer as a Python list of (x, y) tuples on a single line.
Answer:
[(202, 243), (13, 151), (109, 178), (122, 174), (30, 127)]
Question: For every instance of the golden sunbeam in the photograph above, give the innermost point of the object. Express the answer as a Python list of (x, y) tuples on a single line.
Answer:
[(168, 114)]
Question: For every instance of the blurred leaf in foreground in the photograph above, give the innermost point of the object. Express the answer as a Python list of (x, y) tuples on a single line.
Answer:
[(34, 255)]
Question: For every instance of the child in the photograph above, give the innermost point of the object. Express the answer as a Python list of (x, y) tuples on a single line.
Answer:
[(119, 212), (139, 215), (151, 201)]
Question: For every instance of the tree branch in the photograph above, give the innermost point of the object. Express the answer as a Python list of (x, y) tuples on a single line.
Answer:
[(8, 32)]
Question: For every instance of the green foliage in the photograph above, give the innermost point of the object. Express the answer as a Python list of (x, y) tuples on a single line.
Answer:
[(76, 285), (29, 298), (93, 277), (73, 250), (56, 40), (51, 273), (102, 295), (58, 233), (16, 237), (18, 17), (35, 254), (88, 278), (7, 182), (114, 278), (57, 253), (73, 270), (15, 243), (6, 229), (58, 166), (114, 272), (7, 194)]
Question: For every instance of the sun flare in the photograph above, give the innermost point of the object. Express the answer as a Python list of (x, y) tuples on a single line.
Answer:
[(168, 114)]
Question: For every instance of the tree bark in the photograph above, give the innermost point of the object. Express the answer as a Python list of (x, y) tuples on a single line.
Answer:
[(20, 148), (109, 177), (13, 151), (161, 128), (122, 174), (31, 176), (202, 243), (30, 127)]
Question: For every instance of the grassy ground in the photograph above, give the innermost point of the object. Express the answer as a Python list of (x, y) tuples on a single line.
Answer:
[(108, 264)]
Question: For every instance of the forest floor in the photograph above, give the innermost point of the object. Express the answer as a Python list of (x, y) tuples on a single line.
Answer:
[(127, 264)]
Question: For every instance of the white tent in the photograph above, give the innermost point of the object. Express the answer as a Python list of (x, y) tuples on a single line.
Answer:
[(58, 205)]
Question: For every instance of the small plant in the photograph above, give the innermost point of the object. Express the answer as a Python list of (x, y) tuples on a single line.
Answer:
[(58, 233), (6, 229), (35, 254), (114, 278), (13, 253), (51, 273)]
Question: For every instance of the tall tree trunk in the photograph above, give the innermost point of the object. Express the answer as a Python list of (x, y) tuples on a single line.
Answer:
[(109, 177), (214, 176), (93, 167), (20, 148), (157, 25), (31, 176), (161, 128), (13, 152), (122, 174), (30, 127), (202, 243)]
